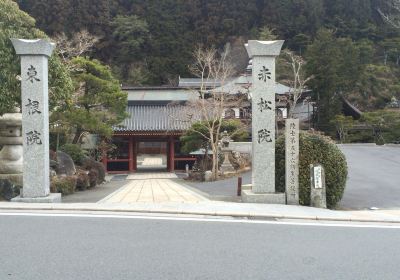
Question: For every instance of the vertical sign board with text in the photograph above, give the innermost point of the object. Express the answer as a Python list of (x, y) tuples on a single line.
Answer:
[(292, 161), (263, 54), (35, 115)]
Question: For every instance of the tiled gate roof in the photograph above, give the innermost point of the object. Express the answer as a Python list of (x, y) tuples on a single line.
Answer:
[(154, 118)]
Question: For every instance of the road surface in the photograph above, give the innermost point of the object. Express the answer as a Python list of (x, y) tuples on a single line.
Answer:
[(374, 177), (86, 247)]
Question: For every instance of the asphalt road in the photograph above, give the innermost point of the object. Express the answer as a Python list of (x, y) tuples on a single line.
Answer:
[(223, 189), (116, 248), (373, 181), (374, 177)]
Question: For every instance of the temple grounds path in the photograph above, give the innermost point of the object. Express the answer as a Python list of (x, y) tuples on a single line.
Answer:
[(153, 187)]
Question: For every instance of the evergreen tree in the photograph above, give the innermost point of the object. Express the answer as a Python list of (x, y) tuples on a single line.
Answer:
[(98, 102), (15, 23), (335, 65)]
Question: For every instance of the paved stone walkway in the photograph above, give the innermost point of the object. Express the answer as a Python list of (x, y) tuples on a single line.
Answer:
[(153, 190), (151, 175)]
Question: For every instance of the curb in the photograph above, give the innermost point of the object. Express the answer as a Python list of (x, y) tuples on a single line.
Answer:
[(205, 213)]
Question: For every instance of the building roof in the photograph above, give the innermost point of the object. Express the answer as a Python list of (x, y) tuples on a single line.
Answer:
[(198, 82), (154, 118), (236, 85), (140, 94)]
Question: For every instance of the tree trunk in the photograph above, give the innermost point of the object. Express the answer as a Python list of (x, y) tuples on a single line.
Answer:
[(77, 135), (214, 163)]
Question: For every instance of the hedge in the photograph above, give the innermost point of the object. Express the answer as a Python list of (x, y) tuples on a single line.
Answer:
[(314, 148)]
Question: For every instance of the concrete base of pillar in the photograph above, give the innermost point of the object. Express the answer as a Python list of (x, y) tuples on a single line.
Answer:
[(246, 187), (270, 198), (51, 198)]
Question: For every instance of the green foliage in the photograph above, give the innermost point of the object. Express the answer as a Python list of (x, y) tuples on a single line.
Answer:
[(152, 41), (335, 65), (198, 136), (343, 124), (377, 86), (15, 23), (65, 185), (131, 35), (75, 152), (98, 103), (193, 138), (385, 125), (235, 129), (314, 149), (266, 34)]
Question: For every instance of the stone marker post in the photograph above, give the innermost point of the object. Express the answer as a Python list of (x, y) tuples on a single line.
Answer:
[(318, 188), (263, 54), (292, 161), (35, 120)]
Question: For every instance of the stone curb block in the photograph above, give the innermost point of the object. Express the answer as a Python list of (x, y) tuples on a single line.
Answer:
[(208, 213)]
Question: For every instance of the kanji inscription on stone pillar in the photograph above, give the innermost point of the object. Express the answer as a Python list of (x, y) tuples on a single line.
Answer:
[(263, 54), (35, 119), (292, 161)]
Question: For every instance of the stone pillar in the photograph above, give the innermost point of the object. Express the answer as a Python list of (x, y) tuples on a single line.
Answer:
[(318, 187), (292, 161), (35, 120), (263, 54)]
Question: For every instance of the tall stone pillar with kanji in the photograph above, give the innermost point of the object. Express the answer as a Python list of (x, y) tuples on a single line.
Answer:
[(263, 55), (35, 119)]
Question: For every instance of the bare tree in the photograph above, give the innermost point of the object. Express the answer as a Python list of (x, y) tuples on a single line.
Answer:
[(393, 18), (297, 81), (79, 44), (215, 96)]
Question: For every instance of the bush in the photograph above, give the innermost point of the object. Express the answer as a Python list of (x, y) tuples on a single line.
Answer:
[(93, 177), (89, 164), (8, 189), (75, 152), (315, 149), (82, 182), (65, 185)]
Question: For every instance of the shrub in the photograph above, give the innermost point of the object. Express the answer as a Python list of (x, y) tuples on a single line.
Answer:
[(8, 189), (82, 182), (75, 152), (89, 164), (65, 185), (93, 177), (314, 149)]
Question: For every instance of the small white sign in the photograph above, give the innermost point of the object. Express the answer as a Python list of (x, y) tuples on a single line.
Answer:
[(318, 177)]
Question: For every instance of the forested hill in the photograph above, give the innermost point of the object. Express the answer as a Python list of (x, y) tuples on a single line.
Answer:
[(151, 41)]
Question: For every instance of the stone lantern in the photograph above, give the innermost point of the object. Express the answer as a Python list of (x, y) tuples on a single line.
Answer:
[(11, 155), (226, 164)]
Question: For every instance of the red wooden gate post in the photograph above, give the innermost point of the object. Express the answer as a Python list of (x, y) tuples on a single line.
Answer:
[(171, 154), (134, 155), (130, 152)]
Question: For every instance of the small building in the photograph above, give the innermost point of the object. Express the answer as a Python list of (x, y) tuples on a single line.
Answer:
[(149, 138)]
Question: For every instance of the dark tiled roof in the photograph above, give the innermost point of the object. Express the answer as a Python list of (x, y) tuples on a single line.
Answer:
[(154, 118)]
